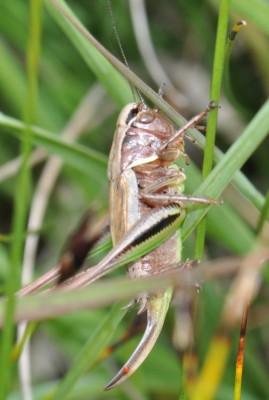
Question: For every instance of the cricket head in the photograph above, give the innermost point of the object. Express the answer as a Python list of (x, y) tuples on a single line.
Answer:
[(140, 138), (140, 116)]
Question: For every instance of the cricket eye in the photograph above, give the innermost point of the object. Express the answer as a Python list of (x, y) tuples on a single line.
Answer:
[(144, 118)]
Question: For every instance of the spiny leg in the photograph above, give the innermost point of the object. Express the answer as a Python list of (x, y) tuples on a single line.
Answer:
[(192, 123), (166, 199)]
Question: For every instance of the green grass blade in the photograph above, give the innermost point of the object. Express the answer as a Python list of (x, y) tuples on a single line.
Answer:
[(234, 159), (233, 232), (256, 11), (264, 214), (90, 352), (97, 295), (117, 87), (218, 68), (90, 161), (21, 200)]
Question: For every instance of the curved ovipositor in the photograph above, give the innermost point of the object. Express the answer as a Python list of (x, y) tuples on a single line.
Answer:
[(157, 306)]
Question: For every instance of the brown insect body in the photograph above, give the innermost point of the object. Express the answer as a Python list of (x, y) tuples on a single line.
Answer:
[(137, 168)]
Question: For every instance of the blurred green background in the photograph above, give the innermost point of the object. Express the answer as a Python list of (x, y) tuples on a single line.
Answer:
[(183, 35)]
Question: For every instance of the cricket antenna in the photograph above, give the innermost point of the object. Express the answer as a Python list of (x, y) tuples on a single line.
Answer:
[(116, 33)]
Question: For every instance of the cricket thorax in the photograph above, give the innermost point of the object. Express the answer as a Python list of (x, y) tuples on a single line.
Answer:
[(145, 134)]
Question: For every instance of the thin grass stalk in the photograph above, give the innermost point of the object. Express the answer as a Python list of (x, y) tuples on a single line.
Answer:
[(90, 352), (21, 199), (217, 74)]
